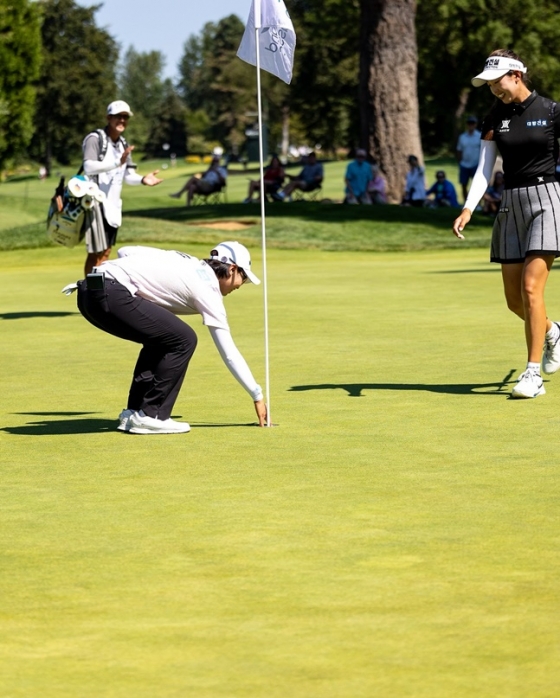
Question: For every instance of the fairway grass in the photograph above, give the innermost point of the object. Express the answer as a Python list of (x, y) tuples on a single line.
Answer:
[(396, 535)]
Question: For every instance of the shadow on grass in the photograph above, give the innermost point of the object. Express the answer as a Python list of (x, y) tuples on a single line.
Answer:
[(214, 425), (34, 314), (491, 268), (321, 212), (355, 389), (90, 425), (52, 414), (63, 426)]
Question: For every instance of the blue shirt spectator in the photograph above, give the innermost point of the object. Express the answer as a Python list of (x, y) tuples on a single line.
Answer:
[(357, 178), (443, 192)]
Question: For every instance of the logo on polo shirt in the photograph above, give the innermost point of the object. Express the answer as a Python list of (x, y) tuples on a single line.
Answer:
[(537, 122), (504, 128)]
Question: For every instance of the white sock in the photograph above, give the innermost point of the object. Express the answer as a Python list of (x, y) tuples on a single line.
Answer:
[(554, 332), (535, 368)]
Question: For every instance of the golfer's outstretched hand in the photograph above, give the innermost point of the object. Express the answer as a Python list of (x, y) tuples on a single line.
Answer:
[(460, 223), (260, 409), (150, 180)]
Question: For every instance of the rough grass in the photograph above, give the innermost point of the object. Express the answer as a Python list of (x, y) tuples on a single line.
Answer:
[(152, 215)]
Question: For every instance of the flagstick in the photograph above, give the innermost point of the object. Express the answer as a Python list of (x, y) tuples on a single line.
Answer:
[(257, 6)]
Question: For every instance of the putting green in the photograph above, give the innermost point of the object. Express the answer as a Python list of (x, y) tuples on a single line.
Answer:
[(395, 535)]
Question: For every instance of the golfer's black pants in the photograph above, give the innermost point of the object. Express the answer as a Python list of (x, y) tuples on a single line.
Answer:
[(168, 343)]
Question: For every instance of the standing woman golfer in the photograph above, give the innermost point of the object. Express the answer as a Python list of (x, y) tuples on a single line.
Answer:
[(138, 297), (523, 127)]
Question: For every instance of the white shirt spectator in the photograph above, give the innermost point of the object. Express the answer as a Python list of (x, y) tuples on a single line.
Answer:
[(469, 147)]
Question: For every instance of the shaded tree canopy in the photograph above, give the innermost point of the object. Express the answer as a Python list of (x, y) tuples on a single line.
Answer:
[(20, 56), (324, 91), (321, 106), (214, 80), (77, 79), (140, 83), (455, 37), (168, 127)]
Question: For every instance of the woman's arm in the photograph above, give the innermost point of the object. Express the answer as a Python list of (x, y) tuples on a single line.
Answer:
[(239, 369)]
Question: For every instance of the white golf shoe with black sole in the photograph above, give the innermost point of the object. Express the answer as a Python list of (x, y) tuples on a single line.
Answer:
[(551, 354), (124, 416), (139, 423), (529, 384)]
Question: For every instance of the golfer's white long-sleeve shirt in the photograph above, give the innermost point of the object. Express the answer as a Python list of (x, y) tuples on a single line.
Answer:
[(184, 285)]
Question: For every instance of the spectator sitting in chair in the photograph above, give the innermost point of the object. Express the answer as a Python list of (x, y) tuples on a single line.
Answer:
[(377, 187), (357, 178), (273, 177), (212, 180), (310, 178), (493, 195), (443, 192)]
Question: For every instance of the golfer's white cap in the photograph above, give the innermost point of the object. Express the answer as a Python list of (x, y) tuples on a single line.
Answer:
[(235, 253), (495, 68), (118, 107)]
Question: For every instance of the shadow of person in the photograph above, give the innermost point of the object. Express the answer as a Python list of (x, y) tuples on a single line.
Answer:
[(90, 425), (34, 314), (356, 389), (58, 427)]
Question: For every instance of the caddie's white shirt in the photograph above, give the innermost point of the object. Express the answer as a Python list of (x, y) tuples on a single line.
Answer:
[(110, 174), (182, 284), (469, 146)]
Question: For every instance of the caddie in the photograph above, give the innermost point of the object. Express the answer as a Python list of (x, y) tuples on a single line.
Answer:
[(107, 160)]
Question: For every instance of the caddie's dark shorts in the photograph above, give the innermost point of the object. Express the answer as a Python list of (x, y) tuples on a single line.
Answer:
[(110, 234)]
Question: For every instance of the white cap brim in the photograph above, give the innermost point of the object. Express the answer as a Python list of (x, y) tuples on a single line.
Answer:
[(252, 278), (482, 78)]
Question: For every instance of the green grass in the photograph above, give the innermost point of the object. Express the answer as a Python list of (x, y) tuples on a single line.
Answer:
[(396, 535)]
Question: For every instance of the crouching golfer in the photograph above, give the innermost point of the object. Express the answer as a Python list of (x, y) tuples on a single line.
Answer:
[(138, 296)]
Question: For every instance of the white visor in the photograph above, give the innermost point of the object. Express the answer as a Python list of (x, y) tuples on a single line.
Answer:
[(495, 68)]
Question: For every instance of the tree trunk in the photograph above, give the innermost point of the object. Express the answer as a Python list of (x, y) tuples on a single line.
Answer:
[(388, 90)]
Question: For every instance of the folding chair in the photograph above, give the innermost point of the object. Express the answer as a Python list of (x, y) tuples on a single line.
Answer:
[(218, 196), (313, 195)]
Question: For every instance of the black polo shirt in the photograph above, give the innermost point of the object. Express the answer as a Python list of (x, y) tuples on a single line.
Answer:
[(527, 137)]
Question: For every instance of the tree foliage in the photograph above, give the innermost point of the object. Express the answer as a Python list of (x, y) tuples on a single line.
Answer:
[(215, 81), (324, 91), (455, 37), (77, 79), (20, 55), (168, 132), (140, 83)]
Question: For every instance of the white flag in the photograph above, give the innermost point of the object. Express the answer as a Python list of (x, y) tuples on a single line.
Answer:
[(277, 39)]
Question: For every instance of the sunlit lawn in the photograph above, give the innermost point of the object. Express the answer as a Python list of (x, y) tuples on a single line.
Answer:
[(395, 535)]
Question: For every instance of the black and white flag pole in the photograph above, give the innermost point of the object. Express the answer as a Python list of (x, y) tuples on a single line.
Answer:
[(269, 28)]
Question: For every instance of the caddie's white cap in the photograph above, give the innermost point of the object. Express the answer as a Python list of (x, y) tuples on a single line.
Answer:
[(118, 107), (235, 253), (495, 68)]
